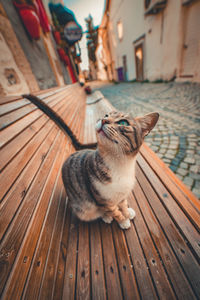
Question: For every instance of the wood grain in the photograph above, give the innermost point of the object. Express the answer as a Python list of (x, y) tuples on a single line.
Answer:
[(47, 253)]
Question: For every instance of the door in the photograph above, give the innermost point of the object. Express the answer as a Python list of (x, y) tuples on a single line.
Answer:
[(191, 44), (139, 62), (120, 74), (124, 59)]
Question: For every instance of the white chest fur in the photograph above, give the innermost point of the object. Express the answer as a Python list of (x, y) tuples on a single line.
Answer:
[(123, 178)]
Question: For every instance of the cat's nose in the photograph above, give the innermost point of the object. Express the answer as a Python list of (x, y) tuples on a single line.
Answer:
[(105, 121)]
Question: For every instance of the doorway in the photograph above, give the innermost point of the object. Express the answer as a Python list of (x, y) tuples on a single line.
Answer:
[(139, 57), (191, 41)]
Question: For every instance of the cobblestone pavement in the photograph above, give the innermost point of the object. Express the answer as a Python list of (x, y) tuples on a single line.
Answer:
[(176, 137)]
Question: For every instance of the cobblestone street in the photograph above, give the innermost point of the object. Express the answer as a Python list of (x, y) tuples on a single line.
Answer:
[(176, 138)]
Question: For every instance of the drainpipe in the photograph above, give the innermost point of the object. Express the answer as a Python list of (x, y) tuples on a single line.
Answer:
[(108, 42)]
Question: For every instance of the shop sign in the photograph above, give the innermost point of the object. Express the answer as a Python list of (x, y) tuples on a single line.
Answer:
[(72, 32)]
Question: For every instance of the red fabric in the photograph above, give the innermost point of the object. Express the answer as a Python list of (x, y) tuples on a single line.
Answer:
[(61, 53), (44, 22), (57, 37), (64, 57), (23, 6), (30, 19), (71, 71)]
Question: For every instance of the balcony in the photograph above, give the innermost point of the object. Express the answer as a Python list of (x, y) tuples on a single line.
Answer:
[(153, 7)]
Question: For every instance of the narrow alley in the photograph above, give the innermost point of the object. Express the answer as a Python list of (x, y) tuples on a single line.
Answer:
[(176, 138)]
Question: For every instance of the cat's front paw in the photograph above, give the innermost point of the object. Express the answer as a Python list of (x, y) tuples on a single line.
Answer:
[(132, 213), (107, 219), (125, 224)]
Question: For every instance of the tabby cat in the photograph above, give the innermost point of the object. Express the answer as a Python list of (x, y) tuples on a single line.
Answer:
[(98, 182)]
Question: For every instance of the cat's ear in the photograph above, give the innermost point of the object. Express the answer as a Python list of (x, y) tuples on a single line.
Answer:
[(148, 122)]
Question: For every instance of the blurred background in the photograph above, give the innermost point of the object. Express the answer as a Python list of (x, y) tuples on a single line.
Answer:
[(52, 42)]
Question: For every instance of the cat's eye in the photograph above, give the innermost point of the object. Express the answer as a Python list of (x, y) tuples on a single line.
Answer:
[(123, 122), (106, 116)]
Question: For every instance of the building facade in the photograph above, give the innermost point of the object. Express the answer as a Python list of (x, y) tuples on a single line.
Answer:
[(29, 52), (152, 40), (105, 70)]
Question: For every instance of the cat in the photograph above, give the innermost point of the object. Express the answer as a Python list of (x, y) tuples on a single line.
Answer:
[(98, 182)]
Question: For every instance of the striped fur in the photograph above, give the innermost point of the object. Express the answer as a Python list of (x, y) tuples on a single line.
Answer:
[(98, 182)]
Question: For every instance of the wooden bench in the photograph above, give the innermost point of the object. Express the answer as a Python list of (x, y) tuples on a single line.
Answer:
[(46, 253)]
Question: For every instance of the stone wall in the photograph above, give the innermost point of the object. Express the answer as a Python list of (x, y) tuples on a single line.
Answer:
[(61, 67), (34, 51), (16, 76), (170, 40)]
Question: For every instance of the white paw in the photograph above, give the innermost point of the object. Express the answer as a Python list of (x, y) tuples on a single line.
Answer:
[(107, 219), (132, 213), (125, 224)]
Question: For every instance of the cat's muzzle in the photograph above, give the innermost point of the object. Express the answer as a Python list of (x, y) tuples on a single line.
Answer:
[(99, 126)]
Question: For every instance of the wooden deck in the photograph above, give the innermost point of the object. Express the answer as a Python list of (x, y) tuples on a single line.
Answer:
[(46, 253)]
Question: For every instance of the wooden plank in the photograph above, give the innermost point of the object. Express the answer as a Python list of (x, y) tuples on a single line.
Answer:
[(76, 106), (88, 125), (113, 284), (149, 263), (11, 284), (173, 268), (80, 115), (127, 277), (13, 147), (78, 129), (9, 107), (58, 289), (98, 289), (42, 189), (51, 91), (13, 170), (42, 93), (74, 124), (69, 283), (14, 236), (69, 116), (63, 95), (16, 115), (63, 251), (88, 137), (51, 101), (83, 264), (6, 99), (72, 119), (39, 261), (91, 128), (10, 132), (81, 135), (18, 191), (59, 258), (48, 280), (177, 215), (95, 118), (175, 186)]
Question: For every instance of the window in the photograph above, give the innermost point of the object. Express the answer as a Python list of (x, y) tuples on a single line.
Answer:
[(120, 30)]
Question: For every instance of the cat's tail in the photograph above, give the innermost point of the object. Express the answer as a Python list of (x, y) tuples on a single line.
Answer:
[(59, 121)]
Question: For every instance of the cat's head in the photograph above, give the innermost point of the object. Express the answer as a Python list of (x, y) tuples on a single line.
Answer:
[(118, 132)]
